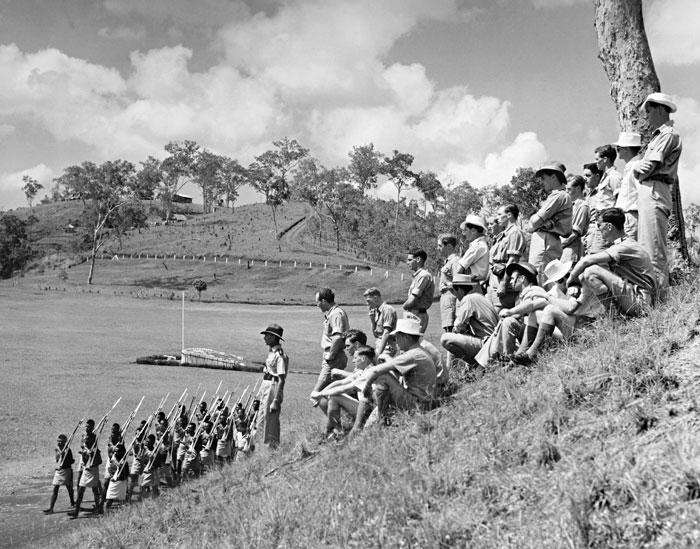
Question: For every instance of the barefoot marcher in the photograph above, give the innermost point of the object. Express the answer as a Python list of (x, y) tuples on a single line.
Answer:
[(63, 475), (119, 477), (271, 392), (91, 459)]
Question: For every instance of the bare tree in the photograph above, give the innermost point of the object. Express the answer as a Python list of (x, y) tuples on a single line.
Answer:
[(624, 50)]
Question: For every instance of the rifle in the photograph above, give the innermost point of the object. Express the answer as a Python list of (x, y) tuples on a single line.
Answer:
[(251, 427), (66, 447), (189, 420), (194, 395), (122, 462), (216, 394), (216, 421), (98, 432), (131, 417)]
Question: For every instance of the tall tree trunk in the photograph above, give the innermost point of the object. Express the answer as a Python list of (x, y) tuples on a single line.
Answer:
[(624, 51), (93, 254), (274, 221)]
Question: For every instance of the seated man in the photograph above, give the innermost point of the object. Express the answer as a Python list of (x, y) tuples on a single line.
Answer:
[(475, 321), (621, 275), (503, 340), (563, 311), (343, 394), (406, 382)]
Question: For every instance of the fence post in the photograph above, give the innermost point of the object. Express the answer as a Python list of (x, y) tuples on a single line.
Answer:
[(295, 264), (309, 264), (401, 276), (371, 272), (325, 265), (239, 260), (252, 262), (386, 275), (340, 267), (214, 259), (355, 268), (204, 258), (280, 262), (227, 260), (266, 263)]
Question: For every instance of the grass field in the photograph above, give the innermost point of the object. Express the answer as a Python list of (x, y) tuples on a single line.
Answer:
[(67, 356), (594, 447)]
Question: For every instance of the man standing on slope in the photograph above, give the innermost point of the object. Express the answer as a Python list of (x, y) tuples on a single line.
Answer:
[(657, 173), (335, 323), (422, 289), (552, 220)]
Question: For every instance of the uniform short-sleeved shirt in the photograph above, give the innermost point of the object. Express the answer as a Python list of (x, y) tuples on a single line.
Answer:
[(510, 242), (476, 258), (277, 362), (335, 323), (447, 272), (476, 316), (532, 293), (665, 148), (627, 198), (384, 318), (423, 287), (417, 371), (631, 262), (554, 215), (580, 218), (608, 188)]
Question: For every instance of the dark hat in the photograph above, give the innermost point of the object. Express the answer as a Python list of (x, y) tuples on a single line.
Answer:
[(275, 330), (557, 168), (525, 268)]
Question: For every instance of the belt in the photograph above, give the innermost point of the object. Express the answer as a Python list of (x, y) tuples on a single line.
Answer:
[(421, 311), (270, 377)]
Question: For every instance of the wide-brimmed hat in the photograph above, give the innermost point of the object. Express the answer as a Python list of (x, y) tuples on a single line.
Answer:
[(275, 330), (408, 326), (464, 280), (556, 270), (660, 99), (557, 168), (628, 139), (525, 268), (475, 220)]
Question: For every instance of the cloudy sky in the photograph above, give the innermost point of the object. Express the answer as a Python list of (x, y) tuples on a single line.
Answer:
[(472, 88)]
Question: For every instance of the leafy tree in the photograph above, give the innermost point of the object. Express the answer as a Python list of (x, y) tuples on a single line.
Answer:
[(270, 174), (430, 187), (148, 178), (103, 190), (233, 176), (365, 166), (207, 172), (524, 190), (340, 199), (398, 169), (178, 169), (30, 188), (14, 245), (306, 186), (201, 286)]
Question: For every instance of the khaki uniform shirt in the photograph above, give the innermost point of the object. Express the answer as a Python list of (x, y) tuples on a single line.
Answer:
[(447, 271), (627, 199), (631, 262), (554, 216), (423, 287), (418, 373), (335, 323), (475, 316), (476, 259), (383, 318), (665, 148), (510, 242)]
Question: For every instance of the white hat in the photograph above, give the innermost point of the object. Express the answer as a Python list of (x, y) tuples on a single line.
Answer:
[(407, 326), (475, 220), (660, 99), (556, 270), (464, 280), (628, 139)]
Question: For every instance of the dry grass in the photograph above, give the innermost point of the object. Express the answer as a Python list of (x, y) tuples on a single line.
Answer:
[(595, 447)]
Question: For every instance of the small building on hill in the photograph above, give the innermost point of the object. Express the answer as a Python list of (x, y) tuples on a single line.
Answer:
[(182, 198)]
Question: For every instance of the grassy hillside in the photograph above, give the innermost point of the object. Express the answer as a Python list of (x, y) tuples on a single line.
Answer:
[(596, 446), (246, 233)]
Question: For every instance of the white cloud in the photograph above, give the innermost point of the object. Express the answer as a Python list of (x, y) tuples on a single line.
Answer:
[(672, 30), (6, 129), (11, 194), (499, 167), (313, 70)]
